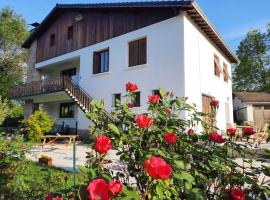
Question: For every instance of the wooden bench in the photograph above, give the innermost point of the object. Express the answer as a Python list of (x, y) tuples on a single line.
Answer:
[(52, 138)]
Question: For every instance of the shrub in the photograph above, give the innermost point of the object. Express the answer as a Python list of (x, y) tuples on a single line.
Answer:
[(4, 109), (38, 123), (170, 157)]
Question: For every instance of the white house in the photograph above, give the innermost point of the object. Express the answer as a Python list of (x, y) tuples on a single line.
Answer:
[(252, 107), (101, 47)]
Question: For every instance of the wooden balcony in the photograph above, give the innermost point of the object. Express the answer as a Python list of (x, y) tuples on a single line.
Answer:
[(38, 88), (74, 91)]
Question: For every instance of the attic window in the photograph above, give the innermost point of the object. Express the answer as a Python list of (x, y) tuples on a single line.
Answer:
[(70, 33), (217, 66), (52, 39)]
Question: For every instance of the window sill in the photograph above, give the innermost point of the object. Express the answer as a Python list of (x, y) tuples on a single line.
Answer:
[(100, 74), (137, 67)]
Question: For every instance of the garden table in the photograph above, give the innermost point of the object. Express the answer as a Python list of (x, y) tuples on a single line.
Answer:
[(53, 138)]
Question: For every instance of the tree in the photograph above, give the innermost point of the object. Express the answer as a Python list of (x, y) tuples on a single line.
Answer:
[(13, 31), (253, 73)]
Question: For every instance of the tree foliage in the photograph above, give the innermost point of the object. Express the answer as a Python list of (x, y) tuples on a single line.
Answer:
[(253, 73), (13, 31)]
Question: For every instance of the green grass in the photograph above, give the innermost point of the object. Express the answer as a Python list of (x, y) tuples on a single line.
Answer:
[(30, 180)]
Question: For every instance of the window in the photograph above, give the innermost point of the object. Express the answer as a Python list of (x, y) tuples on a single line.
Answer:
[(137, 52), (217, 66), (70, 33), (101, 61), (66, 110), (52, 39), (225, 73), (156, 92), (116, 97), (137, 101)]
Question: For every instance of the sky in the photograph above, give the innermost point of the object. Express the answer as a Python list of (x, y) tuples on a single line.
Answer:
[(231, 18)]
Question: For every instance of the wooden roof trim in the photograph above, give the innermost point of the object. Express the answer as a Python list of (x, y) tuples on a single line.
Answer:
[(210, 31)]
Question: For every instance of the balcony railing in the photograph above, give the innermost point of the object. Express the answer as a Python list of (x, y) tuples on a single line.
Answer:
[(74, 91), (38, 87)]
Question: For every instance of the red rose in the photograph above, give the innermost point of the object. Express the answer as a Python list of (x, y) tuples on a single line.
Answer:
[(248, 131), (115, 187), (58, 198), (170, 138), (215, 137), (237, 194), (103, 144), (157, 168), (231, 131), (143, 121), (191, 132), (49, 197), (214, 103), (168, 110), (98, 189), (130, 105), (131, 87), (153, 99)]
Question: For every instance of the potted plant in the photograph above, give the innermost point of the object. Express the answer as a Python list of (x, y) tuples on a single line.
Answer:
[(45, 160)]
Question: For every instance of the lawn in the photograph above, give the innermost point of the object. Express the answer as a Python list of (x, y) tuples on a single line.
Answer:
[(27, 180)]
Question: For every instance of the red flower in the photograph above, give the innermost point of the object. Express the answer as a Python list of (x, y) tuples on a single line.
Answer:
[(115, 187), (130, 105), (231, 131), (103, 144), (248, 131), (214, 103), (170, 138), (153, 99), (157, 168), (237, 194), (143, 121), (131, 87), (215, 137), (191, 132), (98, 190), (49, 197), (168, 110), (58, 198)]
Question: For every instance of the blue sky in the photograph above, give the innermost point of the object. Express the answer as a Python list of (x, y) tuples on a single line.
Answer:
[(232, 18)]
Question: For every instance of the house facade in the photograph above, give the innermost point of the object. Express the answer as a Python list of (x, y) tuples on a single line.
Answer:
[(252, 107), (85, 51)]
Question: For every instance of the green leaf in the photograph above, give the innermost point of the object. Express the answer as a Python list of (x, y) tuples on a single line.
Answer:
[(159, 191), (162, 92), (184, 176), (179, 164), (129, 194), (114, 129)]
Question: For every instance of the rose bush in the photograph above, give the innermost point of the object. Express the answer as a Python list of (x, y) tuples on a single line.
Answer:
[(169, 157)]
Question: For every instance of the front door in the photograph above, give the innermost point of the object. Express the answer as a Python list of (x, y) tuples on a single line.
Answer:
[(206, 108), (70, 73)]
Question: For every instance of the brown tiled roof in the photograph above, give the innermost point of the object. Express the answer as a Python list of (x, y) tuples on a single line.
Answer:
[(253, 96)]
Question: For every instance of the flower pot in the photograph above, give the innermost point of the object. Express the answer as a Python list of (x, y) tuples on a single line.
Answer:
[(45, 161)]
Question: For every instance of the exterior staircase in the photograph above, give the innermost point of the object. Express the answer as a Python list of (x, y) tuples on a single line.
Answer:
[(58, 84)]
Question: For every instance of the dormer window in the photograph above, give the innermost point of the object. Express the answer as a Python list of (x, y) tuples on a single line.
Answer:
[(52, 39), (70, 33)]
